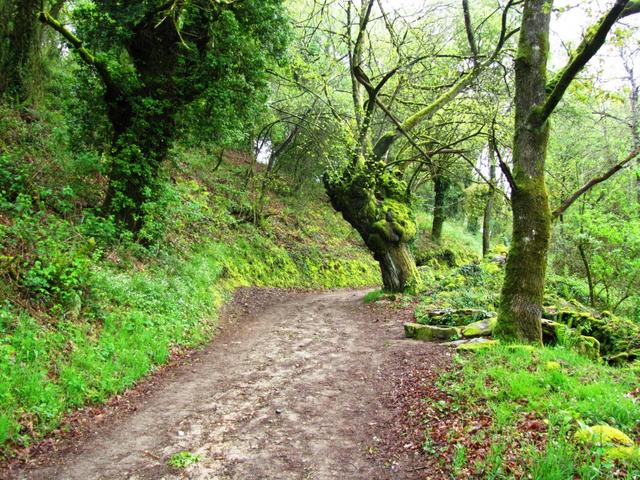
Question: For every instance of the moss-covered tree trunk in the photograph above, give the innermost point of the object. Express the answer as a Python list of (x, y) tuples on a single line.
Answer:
[(372, 198), (440, 186), (522, 293), (398, 268), (523, 289), (535, 100)]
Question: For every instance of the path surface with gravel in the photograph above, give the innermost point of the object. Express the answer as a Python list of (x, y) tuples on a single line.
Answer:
[(295, 386)]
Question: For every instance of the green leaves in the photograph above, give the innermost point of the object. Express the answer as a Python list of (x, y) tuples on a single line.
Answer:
[(196, 65), (183, 459)]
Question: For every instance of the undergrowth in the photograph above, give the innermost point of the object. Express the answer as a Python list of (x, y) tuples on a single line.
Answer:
[(563, 392), (86, 310), (536, 399)]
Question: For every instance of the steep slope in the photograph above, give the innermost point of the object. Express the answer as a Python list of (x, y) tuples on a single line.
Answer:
[(86, 310)]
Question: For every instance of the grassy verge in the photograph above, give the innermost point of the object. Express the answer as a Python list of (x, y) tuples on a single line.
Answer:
[(535, 400), (85, 313)]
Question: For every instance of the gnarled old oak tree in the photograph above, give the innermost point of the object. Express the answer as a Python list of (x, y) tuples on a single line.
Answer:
[(535, 100), (154, 58), (370, 191)]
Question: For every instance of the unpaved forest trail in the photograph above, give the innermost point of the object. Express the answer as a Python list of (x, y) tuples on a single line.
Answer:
[(297, 389)]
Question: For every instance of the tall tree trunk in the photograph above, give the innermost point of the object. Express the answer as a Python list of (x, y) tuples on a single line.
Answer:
[(535, 100), (18, 48), (488, 208), (635, 113), (440, 187), (522, 293)]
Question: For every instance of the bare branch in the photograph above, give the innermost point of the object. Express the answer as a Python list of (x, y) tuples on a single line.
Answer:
[(387, 140), (593, 40), (593, 182), (364, 21), (485, 179), (468, 26)]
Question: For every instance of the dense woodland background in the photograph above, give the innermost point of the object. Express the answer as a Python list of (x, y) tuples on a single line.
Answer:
[(155, 155)]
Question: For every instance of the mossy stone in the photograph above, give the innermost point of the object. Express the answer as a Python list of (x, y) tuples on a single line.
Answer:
[(459, 318), (553, 332), (552, 365), (616, 335), (523, 348), (430, 332), (624, 454), (475, 346), (481, 328), (588, 346), (623, 358), (602, 435)]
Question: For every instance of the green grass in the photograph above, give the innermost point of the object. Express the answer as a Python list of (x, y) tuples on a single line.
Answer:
[(513, 381), (183, 459), (374, 296), (475, 285), (105, 311), (457, 244)]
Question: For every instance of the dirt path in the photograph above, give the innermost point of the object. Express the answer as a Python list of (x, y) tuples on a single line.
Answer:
[(297, 390)]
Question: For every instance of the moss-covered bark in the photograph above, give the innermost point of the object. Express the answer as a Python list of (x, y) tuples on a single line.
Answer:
[(522, 293), (523, 289), (398, 268), (372, 198), (535, 101)]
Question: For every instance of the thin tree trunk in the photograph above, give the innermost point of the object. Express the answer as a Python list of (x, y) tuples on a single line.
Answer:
[(440, 186), (488, 209), (635, 113), (587, 269)]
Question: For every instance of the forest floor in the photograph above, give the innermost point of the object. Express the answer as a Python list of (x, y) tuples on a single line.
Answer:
[(296, 385)]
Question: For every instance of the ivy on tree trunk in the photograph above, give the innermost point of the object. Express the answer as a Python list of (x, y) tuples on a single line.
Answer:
[(155, 58), (18, 46)]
